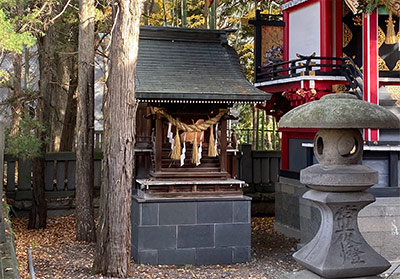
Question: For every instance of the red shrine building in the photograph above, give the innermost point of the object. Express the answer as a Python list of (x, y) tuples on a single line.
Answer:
[(327, 47)]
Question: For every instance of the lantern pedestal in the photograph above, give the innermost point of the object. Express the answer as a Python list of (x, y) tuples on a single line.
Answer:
[(338, 182), (339, 250)]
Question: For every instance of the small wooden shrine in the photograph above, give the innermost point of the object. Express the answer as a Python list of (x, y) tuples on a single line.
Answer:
[(186, 82), (188, 207)]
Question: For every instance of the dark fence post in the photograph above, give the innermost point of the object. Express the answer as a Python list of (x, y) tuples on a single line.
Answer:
[(24, 175), (259, 169), (11, 164), (59, 176), (246, 164)]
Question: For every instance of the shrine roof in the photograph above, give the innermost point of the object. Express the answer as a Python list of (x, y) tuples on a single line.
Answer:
[(178, 64)]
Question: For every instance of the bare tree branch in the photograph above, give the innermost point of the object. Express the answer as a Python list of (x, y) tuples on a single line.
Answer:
[(112, 29), (63, 10)]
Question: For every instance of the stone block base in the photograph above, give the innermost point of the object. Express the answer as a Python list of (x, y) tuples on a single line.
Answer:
[(379, 224), (197, 231)]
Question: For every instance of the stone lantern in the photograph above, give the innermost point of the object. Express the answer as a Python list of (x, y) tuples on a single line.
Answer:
[(338, 185)]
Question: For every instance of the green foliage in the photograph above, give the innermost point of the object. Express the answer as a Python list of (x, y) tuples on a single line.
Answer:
[(267, 134), (171, 10), (369, 6), (4, 78), (10, 39), (25, 144)]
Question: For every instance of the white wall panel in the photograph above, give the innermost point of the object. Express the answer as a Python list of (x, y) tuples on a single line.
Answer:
[(304, 31)]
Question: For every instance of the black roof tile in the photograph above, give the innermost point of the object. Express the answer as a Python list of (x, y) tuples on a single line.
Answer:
[(190, 64)]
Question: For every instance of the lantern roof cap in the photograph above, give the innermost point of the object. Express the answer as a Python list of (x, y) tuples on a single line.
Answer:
[(337, 111)]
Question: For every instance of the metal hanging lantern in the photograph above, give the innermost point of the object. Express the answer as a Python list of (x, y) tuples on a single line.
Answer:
[(338, 182)]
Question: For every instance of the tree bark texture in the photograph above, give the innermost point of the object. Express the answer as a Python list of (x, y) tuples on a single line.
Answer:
[(59, 101), (16, 105), (68, 131), (114, 233), (84, 214), (67, 140), (47, 85), (38, 214)]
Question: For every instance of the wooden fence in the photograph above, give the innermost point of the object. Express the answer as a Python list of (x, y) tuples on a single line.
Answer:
[(257, 168), (260, 169), (59, 175)]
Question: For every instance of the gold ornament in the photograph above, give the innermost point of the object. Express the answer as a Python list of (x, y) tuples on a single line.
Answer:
[(347, 35), (395, 93), (391, 37), (394, 7), (382, 64), (357, 20), (397, 67), (381, 37), (339, 88)]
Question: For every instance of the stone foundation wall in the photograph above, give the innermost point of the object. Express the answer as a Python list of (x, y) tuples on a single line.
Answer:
[(379, 223), (195, 231), (287, 206)]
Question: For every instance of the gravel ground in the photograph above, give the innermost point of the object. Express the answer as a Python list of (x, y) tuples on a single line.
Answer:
[(56, 255)]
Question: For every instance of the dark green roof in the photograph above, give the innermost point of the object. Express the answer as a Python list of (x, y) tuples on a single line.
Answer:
[(191, 64)]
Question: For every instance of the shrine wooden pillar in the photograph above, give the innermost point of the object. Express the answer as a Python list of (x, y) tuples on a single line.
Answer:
[(158, 142), (148, 122), (370, 66), (326, 32), (223, 142)]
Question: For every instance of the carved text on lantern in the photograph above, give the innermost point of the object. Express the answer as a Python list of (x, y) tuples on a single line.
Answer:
[(345, 232)]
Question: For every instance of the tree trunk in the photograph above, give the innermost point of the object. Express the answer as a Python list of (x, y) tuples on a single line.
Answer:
[(68, 132), (67, 140), (84, 214), (114, 237), (47, 85), (16, 104), (38, 214), (59, 100)]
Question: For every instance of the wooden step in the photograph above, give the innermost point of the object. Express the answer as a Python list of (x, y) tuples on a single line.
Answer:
[(235, 193), (188, 162), (188, 165), (189, 175), (198, 169)]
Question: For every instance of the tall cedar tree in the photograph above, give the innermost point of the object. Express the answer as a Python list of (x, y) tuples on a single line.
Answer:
[(85, 230), (38, 214), (114, 234)]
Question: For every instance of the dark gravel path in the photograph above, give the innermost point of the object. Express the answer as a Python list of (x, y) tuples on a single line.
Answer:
[(58, 256)]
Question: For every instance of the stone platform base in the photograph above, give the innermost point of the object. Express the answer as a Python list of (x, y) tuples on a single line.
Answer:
[(197, 231), (306, 274)]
